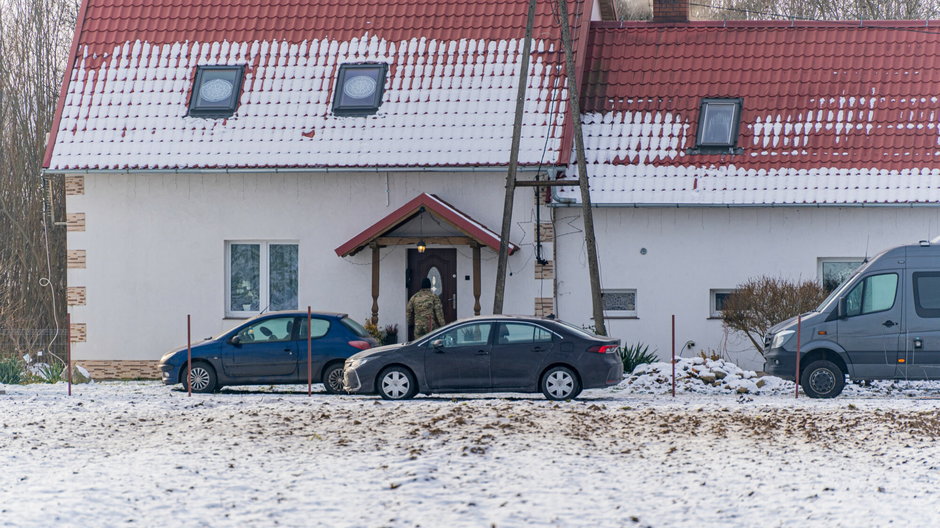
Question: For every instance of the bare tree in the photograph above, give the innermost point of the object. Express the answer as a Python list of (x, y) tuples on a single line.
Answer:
[(762, 302), (793, 9), (34, 41)]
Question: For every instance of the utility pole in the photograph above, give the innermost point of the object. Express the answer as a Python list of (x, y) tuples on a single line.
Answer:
[(586, 212), (502, 263)]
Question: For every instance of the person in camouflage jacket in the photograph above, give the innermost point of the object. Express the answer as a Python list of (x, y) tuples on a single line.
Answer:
[(424, 310)]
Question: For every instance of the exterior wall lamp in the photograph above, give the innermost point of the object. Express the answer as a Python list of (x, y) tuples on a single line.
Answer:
[(421, 245)]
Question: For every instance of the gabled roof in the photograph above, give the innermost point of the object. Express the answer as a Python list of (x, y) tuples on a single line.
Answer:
[(833, 113), (433, 205), (449, 97)]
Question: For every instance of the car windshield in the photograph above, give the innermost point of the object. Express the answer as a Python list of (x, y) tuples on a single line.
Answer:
[(356, 328)]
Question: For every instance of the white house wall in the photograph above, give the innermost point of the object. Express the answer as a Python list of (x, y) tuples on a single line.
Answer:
[(155, 248), (693, 250)]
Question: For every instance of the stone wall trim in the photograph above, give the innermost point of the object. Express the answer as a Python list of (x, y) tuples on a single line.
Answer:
[(76, 259), (120, 369), (75, 295)]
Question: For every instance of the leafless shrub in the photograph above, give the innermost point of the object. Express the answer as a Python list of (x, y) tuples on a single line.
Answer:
[(762, 302)]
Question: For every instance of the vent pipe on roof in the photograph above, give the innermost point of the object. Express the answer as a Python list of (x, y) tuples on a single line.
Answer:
[(670, 10)]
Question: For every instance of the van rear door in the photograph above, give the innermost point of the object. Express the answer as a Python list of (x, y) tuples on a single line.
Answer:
[(873, 324)]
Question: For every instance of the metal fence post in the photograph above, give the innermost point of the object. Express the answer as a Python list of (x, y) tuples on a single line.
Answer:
[(309, 354), (189, 355), (799, 331), (68, 348), (673, 355)]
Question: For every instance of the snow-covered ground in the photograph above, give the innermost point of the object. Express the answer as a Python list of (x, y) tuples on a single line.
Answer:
[(141, 454)]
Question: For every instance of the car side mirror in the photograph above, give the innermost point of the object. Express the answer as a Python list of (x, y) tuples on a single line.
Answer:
[(840, 311), (235, 340), (437, 343)]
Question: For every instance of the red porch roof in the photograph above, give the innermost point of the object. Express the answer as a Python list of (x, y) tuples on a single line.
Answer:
[(435, 206)]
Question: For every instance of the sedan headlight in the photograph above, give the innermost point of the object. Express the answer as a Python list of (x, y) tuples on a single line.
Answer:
[(353, 364), (780, 338)]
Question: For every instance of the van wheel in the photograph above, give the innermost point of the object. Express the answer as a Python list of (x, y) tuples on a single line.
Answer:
[(822, 379)]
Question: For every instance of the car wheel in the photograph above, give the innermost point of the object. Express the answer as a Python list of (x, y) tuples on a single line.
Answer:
[(397, 383), (202, 377), (333, 379), (822, 379), (560, 383)]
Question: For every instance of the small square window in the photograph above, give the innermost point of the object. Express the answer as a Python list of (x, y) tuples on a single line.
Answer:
[(359, 89), (717, 299), (619, 302), (216, 91), (718, 125), (834, 271)]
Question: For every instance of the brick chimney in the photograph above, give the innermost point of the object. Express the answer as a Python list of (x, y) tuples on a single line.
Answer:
[(670, 10)]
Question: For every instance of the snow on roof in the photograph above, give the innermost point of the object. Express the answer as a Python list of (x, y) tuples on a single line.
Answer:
[(833, 113), (449, 95)]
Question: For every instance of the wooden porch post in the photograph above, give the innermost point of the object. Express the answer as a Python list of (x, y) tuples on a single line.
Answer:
[(375, 283), (476, 279)]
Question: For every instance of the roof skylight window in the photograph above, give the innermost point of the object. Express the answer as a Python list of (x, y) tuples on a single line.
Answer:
[(359, 89), (718, 125), (216, 91)]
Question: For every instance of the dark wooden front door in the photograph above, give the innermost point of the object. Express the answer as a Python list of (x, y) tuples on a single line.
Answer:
[(439, 265)]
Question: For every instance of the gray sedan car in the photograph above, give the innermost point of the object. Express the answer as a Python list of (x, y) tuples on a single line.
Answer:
[(489, 354)]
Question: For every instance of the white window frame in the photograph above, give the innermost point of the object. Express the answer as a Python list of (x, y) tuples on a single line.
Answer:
[(263, 273), (622, 313), (713, 312), (819, 265)]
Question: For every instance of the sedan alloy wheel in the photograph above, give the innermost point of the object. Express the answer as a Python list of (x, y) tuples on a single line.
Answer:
[(333, 379), (560, 383), (396, 383), (202, 378)]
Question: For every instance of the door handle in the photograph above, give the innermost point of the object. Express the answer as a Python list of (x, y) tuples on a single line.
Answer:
[(889, 323), (482, 352), (288, 350), (537, 349)]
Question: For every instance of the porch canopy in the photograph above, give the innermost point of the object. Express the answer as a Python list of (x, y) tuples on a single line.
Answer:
[(379, 234)]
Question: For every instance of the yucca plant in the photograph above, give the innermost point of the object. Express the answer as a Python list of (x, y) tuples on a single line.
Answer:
[(11, 370), (52, 372), (634, 355)]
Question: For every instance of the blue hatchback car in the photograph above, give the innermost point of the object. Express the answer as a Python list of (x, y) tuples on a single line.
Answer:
[(271, 349)]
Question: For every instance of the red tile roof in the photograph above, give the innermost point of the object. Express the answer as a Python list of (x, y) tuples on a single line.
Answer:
[(832, 101), (449, 98)]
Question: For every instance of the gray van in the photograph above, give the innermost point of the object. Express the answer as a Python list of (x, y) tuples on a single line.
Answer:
[(881, 323)]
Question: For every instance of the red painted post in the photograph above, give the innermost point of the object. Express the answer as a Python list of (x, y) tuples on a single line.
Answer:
[(189, 355), (68, 348), (673, 355), (309, 355), (799, 331)]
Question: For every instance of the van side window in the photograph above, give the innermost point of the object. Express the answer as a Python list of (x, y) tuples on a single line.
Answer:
[(927, 293), (874, 294)]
